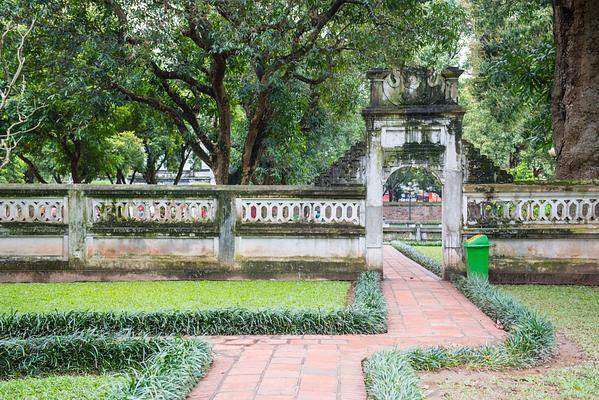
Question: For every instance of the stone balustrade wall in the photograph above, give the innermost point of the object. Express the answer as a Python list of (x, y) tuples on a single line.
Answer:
[(97, 232), (547, 233)]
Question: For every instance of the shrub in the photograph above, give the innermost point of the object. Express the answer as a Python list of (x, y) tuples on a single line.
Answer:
[(157, 368), (407, 250), (367, 315), (530, 341), (388, 375), (417, 243)]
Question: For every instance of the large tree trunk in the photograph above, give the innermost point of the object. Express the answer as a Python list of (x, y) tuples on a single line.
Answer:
[(575, 101)]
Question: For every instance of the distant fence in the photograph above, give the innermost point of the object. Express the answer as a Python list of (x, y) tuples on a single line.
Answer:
[(85, 232), (399, 230), (540, 233)]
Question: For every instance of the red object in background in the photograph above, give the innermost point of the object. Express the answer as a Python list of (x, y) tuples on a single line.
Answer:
[(433, 197), (386, 198)]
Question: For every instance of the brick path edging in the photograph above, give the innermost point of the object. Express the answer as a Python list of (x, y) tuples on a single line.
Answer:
[(422, 311)]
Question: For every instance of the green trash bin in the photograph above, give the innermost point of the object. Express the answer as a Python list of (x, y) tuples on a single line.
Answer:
[(477, 256)]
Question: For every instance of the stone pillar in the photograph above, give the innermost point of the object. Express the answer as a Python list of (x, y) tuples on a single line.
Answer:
[(452, 206), (77, 220), (227, 219), (374, 199)]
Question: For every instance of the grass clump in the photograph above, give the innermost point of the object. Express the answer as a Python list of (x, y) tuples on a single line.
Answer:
[(530, 341), (574, 311), (153, 368), (425, 243), (388, 375), (366, 315), (171, 295), (63, 387), (434, 252), (432, 264)]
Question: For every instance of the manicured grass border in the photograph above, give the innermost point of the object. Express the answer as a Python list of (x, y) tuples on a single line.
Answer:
[(421, 242), (156, 368), (367, 315), (391, 374), (427, 262), (170, 295)]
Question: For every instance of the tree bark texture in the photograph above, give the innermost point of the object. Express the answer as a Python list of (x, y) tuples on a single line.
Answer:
[(575, 103)]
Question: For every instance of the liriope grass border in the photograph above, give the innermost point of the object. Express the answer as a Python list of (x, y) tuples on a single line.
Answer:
[(366, 315), (417, 243), (391, 374), (412, 253), (166, 368)]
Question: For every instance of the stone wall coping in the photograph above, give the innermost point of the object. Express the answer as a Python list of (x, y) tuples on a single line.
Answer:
[(435, 110), (523, 189), (48, 190), (545, 231)]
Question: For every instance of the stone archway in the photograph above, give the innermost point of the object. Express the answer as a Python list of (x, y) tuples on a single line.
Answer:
[(414, 119)]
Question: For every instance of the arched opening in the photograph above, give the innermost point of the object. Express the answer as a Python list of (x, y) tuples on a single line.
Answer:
[(419, 125), (412, 205)]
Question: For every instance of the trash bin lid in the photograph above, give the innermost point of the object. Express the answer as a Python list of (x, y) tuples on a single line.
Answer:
[(477, 241)]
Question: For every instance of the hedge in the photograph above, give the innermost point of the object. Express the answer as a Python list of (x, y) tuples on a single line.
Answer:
[(391, 374), (407, 250), (156, 368), (422, 242), (367, 315)]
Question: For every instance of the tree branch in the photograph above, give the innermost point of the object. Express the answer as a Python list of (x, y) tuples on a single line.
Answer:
[(33, 168), (192, 82), (11, 79), (155, 104)]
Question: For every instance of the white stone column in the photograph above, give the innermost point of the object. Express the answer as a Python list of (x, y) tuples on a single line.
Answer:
[(374, 199), (452, 207)]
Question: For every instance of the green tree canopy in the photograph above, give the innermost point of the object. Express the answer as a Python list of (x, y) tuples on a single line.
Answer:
[(512, 58), (261, 91)]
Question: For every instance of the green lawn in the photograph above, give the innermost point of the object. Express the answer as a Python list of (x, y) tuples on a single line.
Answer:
[(575, 312), (433, 252), (63, 387), (180, 295)]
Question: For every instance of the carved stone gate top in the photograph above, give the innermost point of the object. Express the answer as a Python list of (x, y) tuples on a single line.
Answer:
[(417, 113), (413, 86)]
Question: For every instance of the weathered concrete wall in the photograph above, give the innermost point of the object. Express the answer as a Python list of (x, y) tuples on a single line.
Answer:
[(539, 233), (88, 232), (420, 212)]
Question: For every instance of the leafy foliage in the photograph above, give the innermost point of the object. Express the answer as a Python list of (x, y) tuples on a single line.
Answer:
[(512, 57), (423, 178), (262, 92), (418, 243), (389, 375), (530, 341), (427, 262), (366, 315), (158, 368)]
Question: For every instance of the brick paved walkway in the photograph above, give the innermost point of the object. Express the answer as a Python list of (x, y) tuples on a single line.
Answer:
[(423, 310)]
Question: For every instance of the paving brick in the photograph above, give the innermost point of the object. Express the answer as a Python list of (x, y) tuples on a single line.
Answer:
[(423, 311)]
